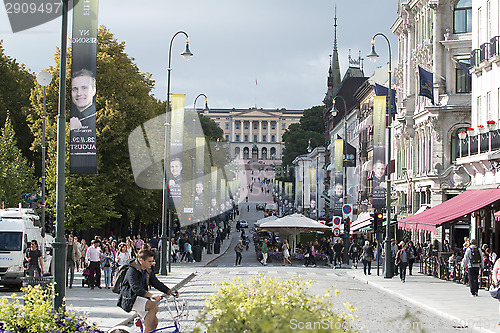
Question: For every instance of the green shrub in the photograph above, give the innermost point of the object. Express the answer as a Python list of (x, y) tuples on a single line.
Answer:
[(266, 304), (37, 315)]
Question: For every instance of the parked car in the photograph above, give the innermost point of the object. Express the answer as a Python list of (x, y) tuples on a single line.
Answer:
[(243, 224)]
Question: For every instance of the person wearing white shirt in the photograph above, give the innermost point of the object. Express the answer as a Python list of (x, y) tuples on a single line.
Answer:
[(93, 259)]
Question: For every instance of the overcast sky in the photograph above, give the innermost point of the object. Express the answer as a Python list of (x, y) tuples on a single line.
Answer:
[(283, 45)]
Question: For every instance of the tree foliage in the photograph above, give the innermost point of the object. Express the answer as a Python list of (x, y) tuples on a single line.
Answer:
[(296, 137), (16, 174), (16, 83)]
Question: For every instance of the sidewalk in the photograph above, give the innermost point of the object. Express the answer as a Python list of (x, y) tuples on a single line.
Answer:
[(445, 298)]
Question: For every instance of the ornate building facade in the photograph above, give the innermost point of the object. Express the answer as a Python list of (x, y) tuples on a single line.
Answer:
[(255, 133), (435, 35)]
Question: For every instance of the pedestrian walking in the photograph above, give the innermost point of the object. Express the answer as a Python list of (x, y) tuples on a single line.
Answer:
[(238, 249), (474, 262), (337, 249), (286, 253), (402, 261), (495, 275), (354, 253), (123, 256), (93, 260), (34, 259), (367, 257), (107, 260), (264, 252), (410, 249), (71, 259)]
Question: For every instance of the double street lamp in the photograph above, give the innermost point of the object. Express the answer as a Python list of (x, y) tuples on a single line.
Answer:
[(344, 163), (165, 207), (388, 255)]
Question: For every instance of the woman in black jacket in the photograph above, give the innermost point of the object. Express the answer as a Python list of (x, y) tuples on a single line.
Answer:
[(134, 294)]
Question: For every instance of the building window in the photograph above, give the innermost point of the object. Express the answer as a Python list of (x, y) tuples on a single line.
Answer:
[(283, 126), (237, 125), (273, 138), (255, 138), (227, 137), (273, 126), (218, 124), (227, 126), (246, 137), (264, 125), (246, 125), (237, 138), (462, 17), (255, 125), (264, 138), (464, 80)]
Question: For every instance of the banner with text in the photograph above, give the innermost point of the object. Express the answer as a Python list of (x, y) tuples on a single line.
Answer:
[(378, 173), (82, 148)]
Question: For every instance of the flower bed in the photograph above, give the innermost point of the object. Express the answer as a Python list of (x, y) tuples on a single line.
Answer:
[(37, 315)]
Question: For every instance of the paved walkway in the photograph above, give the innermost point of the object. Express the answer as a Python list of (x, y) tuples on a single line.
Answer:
[(445, 298)]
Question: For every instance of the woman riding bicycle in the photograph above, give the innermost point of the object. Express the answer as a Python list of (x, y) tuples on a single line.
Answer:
[(134, 294)]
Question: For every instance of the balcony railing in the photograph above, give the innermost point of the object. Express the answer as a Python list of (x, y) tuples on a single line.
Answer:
[(495, 46), (485, 52), (480, 143)]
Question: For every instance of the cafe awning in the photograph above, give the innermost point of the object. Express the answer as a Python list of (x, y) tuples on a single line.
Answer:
[(459, 206), (364, 219)]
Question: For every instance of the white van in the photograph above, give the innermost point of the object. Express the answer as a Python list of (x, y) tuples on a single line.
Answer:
[(18, 227)]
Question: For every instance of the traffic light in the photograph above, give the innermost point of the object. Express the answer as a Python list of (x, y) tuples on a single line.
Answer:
[(378, 217)]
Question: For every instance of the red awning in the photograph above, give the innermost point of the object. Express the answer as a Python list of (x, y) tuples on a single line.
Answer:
[(463, 204)]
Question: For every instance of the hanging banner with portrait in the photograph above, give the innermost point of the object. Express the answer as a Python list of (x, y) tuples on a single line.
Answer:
[(176, 150), (200, 183), (379, 184), (338, 187), (82, 147), (312, 191)]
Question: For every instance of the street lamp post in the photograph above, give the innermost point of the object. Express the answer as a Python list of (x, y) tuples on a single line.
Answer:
[(167, 221), (59, 244), (388, 255), (344, 162), (43, 78)]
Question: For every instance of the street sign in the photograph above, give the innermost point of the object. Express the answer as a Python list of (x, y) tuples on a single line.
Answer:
[(347, 209), (337, 220), (212, 226), (336, 232)]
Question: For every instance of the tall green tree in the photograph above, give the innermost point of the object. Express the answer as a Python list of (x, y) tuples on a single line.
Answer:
[(296, 138), (16, 83), (16, 174)]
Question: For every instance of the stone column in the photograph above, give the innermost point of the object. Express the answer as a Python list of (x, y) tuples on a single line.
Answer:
[(232, 131), (242, 125), (268, 131), (260, 130), (250, 135), (278, 131)]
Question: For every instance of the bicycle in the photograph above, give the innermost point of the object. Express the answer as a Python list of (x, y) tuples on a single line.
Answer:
[(177, 309)]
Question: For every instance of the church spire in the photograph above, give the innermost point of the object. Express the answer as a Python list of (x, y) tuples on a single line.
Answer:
[(334, 80)]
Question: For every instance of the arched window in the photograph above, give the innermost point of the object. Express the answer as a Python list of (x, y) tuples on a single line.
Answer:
[(237, 152), (455, 145), (246, 153), (462, 17), (273, 153), (264, 153)]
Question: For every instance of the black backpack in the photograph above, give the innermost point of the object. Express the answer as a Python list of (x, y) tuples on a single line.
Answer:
[(120, 276), (475, 256)]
